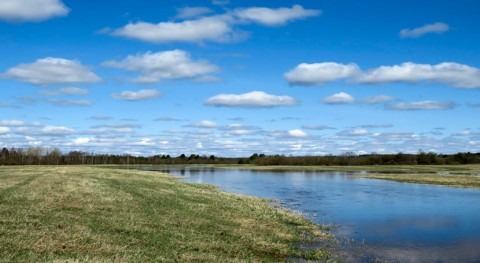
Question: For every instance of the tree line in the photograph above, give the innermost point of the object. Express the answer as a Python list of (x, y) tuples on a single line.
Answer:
[(49, 156)]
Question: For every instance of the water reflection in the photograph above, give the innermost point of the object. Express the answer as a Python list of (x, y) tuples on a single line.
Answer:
[(395, 221)]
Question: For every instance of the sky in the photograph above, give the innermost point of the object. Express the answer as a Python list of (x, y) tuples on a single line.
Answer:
[(232, 78)]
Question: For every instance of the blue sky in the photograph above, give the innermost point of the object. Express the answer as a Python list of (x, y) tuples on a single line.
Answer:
[(232, 78)]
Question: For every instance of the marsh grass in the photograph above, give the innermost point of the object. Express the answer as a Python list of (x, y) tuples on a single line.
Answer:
[(451, 180), (78, 214)]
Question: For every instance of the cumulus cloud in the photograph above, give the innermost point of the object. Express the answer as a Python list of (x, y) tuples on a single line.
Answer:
[(52, 71), (320, 73), (191, 12), (254, 99), (145, 94), (450, 73), (378, 99), (12, 123), (4, 130), (275, 16), (57, 131), (172, 64), (339, 98), (423, 105), (203, 124), (31, 10), (215, 28), (65, 91), (437, 28), (297, 133), (354, 132)]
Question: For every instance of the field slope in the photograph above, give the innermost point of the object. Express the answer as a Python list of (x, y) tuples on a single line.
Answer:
[(78, 214)]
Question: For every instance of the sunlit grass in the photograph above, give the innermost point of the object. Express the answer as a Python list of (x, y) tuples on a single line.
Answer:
[(452, 180), (73, 214)]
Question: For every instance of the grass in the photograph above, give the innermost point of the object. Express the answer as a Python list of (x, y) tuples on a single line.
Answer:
[(452, 180), (77, 214)]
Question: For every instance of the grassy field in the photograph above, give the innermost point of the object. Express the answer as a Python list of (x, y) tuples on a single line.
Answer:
[(77, 214)]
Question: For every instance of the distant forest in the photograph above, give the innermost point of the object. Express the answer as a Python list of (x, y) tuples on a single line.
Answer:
[(47, 156)]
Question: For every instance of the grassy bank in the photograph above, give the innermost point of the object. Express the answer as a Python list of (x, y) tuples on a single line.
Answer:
[(452, 180), (113, 215)]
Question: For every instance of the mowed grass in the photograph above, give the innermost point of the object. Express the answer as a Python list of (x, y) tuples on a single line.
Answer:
[(78, 214)]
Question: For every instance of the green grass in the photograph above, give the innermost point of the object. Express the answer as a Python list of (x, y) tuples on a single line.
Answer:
[(78, 214)]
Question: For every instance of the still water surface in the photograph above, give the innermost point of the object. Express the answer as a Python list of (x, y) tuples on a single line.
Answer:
[(399, 222)]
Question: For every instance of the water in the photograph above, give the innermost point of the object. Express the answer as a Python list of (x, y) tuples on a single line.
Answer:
[(399, 222)]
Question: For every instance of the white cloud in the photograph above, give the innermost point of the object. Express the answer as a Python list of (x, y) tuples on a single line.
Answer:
[(65, 91), (31, 10), (4, 130), (254, 99), (82, 140), (214, 28), (12, 123), (378, 99), (423, 105), (436, 28), (320, 73), (339, 98), (57, 131), (191, 12), (204, 124), (297, 133), (355, 132), (51, 71), (172, 64), (70, 102), (450, 73), (145, 94), (275, 16)]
